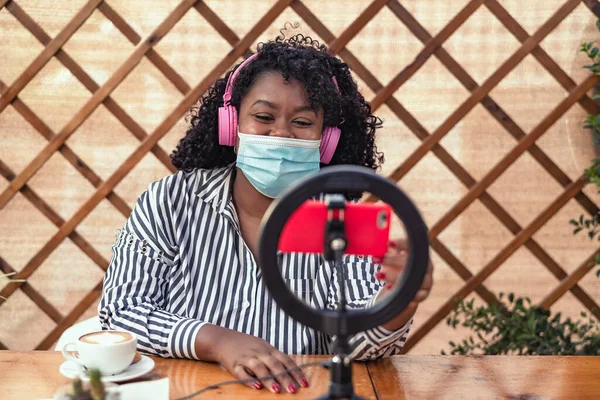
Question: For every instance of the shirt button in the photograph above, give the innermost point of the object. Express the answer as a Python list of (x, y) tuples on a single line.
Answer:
[(246, 304)]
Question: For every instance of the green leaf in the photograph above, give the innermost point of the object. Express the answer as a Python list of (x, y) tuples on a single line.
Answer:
[(525, 336), (598, 273), (596, 96), (511, 297), (598, 25), (577, 230), (594, 52)]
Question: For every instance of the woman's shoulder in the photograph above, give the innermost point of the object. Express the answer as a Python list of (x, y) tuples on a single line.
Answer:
[(187, 181)]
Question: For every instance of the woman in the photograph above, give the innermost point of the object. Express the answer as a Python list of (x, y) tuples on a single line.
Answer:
[(184, 276)]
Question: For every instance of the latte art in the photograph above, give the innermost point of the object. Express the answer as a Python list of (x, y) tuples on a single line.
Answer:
[(106, 337)]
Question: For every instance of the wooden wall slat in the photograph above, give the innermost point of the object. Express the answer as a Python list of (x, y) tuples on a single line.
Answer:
[(570, 281), (512, 156), (155, 58), (69, 154), (70, 319), (87, 81), (40, 61), (95, 100), (213, 19), (461, 270), (56, 219), (493, 206), (540, 54), (495, 263), (31, 292), (479, 93), (490, 105), (594, 6), (351, 31), (424, 54)]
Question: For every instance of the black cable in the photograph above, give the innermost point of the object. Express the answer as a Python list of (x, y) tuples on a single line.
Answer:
[(231, 382)]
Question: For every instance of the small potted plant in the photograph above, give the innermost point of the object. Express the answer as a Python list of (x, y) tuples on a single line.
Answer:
[(95, 389)]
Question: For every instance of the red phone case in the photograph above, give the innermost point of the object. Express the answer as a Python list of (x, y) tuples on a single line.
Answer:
[(367, 228)]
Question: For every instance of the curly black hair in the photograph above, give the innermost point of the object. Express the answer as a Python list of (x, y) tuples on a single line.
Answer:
[(304, 59)]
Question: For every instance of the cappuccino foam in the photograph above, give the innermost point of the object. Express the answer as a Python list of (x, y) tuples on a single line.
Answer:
[(107, 337)]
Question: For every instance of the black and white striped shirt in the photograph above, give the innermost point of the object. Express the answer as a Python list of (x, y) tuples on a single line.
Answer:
[(180, 263)]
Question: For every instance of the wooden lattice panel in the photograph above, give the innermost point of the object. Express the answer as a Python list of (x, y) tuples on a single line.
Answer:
[(102, 94)]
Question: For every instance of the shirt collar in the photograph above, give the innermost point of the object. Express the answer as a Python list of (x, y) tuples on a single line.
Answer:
[(215, 187)]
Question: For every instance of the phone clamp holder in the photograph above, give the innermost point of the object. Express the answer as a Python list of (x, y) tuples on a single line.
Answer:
[(342, 323), (335, 232)]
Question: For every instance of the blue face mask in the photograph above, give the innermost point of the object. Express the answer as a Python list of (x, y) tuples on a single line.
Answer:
[(271, 164)]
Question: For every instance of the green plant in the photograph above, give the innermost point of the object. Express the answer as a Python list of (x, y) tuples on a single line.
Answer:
[(521, 328), (94, 390), (593, 228)]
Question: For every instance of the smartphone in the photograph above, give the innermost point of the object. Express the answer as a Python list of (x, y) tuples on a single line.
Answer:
[(367, 228)]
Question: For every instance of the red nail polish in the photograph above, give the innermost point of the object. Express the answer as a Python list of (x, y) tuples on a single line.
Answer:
[(276, 388), (380, 275), (257, 385), (392, 244), (388, 287), (292, 389), (304, 382)]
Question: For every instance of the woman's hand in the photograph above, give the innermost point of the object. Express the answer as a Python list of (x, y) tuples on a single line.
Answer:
[(248, 357), (392, 267)]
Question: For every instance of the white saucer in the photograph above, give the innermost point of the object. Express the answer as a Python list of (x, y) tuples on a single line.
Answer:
[(142, 367)]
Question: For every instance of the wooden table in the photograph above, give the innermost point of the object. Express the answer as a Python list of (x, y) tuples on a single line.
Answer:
[(491, 377), (34, 375)]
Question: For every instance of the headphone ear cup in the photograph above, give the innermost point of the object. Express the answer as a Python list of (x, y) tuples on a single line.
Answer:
[(329, 142), (223, 125), (233, 126), (227, 125)]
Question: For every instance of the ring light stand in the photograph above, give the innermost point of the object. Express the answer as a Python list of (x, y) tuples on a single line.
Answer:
[(342, 323)]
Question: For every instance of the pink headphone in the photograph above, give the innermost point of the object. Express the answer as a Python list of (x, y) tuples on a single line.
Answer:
[(228, 120)]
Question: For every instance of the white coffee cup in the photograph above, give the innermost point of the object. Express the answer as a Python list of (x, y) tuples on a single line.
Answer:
[(109, 351)]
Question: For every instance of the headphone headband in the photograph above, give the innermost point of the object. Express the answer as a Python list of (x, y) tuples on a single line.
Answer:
[(233, 76)]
